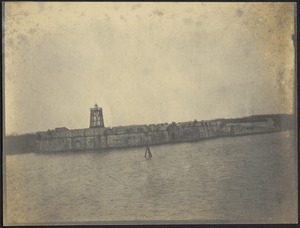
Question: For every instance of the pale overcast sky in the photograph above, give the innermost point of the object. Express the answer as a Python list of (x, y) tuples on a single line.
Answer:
[(145, 63)]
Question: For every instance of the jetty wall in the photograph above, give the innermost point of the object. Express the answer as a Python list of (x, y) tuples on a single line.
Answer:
[(100, 138), (142, 135)]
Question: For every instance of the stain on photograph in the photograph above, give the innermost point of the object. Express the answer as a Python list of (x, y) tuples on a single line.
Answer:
[(149, 113)]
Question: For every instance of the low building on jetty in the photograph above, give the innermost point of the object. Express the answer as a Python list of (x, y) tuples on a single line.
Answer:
[(99, 137)]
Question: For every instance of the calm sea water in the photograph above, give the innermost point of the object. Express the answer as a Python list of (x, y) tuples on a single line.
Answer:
[(241, 179)]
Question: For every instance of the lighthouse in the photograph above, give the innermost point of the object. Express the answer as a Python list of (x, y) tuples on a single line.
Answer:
[(96, 117)]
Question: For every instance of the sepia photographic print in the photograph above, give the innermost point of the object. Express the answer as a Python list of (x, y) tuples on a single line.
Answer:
[(149, 113)]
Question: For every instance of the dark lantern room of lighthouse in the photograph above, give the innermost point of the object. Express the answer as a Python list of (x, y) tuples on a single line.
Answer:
[(96, 119)]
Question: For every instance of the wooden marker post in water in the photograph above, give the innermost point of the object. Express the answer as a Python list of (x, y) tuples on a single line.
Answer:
[(148, 154)]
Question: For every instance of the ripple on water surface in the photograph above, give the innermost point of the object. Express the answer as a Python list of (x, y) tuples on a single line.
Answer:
[(249, 178)]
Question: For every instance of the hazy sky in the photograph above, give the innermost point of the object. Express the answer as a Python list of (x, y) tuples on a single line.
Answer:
[(145, 62)]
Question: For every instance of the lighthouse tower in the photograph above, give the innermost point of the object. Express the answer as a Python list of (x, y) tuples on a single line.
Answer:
[(96, 118)]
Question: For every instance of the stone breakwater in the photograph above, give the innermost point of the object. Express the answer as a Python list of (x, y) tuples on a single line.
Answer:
[(101, 138)]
